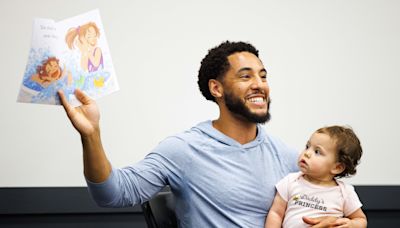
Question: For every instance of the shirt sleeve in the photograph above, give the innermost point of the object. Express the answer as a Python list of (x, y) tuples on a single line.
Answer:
[(282, 187), (351, 201), (139, 182)]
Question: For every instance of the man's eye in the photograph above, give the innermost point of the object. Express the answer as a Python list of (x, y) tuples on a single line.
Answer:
[(245, 76)]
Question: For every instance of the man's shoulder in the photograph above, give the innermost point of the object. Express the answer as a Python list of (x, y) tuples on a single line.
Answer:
[(278, 143), (184, 138), (187, 135), (286, 153), (274, 139)]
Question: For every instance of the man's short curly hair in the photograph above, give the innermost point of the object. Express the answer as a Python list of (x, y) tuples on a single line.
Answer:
[(215, 64), (348, 147)]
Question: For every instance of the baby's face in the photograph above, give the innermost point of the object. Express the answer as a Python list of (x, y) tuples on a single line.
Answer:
[(319, 158)]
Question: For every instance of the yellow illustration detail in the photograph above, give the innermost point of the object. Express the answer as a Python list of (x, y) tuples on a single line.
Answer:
[(99, 82)]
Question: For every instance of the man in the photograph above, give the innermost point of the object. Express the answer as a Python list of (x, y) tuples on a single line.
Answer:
[(222, 172)]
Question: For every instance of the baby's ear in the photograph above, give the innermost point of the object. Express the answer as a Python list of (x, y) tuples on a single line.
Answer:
[(338, 168)]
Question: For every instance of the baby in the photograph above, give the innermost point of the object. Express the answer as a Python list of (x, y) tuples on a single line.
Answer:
[(331, 153)]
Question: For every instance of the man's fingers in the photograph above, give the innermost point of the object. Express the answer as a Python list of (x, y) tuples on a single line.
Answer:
[(324, 221), (342, 222), (82, 97), (68, 108), (311, 221)]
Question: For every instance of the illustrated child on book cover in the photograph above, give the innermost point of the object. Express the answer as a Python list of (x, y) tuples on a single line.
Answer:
[(49, 72)]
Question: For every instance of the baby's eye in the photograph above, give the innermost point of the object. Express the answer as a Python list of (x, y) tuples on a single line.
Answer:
[(317, 152), (307, 146)]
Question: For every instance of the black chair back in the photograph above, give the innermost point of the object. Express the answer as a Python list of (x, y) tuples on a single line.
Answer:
[(159, 212)]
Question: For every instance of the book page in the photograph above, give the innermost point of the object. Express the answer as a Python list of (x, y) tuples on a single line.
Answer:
[(66, 55)]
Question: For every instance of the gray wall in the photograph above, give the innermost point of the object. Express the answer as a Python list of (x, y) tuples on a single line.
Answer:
[(330, 62)]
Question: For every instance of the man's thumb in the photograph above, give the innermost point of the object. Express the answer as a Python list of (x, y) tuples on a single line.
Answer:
[(311, 221)]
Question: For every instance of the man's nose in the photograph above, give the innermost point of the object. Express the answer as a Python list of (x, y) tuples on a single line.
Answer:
[(258, 82)]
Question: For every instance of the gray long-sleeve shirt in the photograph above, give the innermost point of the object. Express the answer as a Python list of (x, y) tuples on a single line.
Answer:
[(216, 181)]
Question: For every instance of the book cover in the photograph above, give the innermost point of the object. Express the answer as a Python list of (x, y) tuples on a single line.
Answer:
[(65, 55)]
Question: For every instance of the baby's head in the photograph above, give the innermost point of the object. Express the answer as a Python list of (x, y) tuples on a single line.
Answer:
[(348, 147)]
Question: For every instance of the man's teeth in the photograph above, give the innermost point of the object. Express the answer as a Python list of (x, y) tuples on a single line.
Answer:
[(256, 99)]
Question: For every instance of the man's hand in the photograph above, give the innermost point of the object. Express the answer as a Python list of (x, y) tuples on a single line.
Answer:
[(322, 222), (85, 118), (344, 223)]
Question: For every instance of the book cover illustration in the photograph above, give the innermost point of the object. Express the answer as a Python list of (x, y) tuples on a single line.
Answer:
[(66, 55)]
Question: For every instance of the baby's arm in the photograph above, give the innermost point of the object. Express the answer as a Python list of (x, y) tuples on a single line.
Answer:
[(357, 220), (352, 205), (276, 213)]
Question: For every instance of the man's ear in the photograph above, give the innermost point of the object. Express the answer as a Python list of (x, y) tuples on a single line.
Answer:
[(338, 168), (215, 88)]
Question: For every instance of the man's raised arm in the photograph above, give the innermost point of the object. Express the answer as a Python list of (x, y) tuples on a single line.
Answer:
[(85, 119)]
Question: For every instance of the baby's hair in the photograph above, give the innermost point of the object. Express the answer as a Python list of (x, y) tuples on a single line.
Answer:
[(348, 147)]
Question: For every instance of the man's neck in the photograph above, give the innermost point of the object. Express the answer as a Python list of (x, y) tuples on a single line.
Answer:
[(240, 130)]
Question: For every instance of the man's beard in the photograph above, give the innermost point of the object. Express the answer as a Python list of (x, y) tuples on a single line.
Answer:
[(237, 106)]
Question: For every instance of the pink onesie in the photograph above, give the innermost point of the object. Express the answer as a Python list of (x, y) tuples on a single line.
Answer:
[(306, 199)]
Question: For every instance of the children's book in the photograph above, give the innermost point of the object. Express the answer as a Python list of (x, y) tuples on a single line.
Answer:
[(66, 55)]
